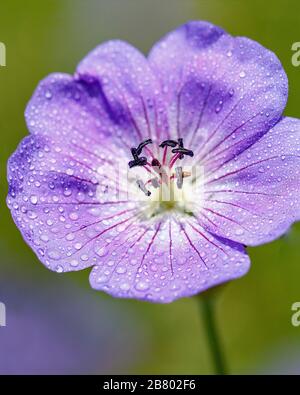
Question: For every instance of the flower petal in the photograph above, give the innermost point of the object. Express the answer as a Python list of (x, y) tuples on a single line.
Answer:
[(169, 260), (66, 199), (129, 87), (222, 92), (255, 197), (63, 106)]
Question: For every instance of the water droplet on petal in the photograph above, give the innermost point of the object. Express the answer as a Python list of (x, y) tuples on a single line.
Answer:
[(48, 95), (59, 269), (101, 251), (33, 199), (219, 106), (121, 270), (142, 286), (125, 287), (239, 232), (74, 263)]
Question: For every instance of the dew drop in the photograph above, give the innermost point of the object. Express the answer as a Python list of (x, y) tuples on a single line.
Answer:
[(74, 263), (101, 279), (125, 287), (231, 92), (32, 215), (67, 192), (142, 286), (48, 95), (73, 216), (53, 254), (70, 236), (59, 269), (33, 199), (44, 238), (239, 232), (121, 270), (101, 251), (219, 106)]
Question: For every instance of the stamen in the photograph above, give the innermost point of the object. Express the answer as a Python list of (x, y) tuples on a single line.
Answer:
[(182, 152), (186, 174), (173, 160), (134, 153), (180, 145), (142, 145), (142, 187), (168, 143), (138, 162), (179, 176), (165, 155)]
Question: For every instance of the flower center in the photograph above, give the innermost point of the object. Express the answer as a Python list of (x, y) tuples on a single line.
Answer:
[(161, 176)]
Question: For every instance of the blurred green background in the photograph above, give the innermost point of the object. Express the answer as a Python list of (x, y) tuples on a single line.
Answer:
[(254, 313)]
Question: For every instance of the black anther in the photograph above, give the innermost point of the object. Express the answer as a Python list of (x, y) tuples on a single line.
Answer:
[(142, 161), (182, 152), (169, 143), (134, 153), (142, 145), (138, 161)]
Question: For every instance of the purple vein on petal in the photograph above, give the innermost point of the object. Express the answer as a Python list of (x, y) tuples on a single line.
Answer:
[(234, 205), (92, 154), (207, 239), (245, 167), (200, 116), (126, 252), (101, 220), (81, 203), (146, 116), (237, 191), (192, 245), (207, 153), (178, 112), (225, 217), (102, 232), (170, 247), (149, 245), (76, 178)]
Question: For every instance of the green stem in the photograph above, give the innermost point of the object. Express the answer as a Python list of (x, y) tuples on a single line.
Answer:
[(207, 307)]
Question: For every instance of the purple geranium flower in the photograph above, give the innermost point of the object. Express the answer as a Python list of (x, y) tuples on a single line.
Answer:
[(156, 172)]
